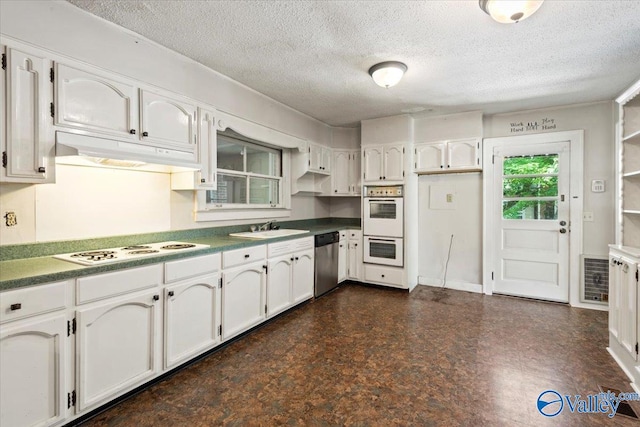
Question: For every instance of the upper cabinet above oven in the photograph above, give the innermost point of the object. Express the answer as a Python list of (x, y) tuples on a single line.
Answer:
[(383, 163)]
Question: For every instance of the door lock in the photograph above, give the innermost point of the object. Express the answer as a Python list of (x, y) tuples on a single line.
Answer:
[(563, 223), (563, 230)]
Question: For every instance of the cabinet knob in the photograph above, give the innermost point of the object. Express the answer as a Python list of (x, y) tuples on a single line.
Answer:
[(441, 166), (292, 258), (382, 275), (170, 293), (202, 180), (335, 191), (132, 131), (384, 177), (145, 133), (380, 177), (156, 297), (297, 258), (15, 307), (246, 256)]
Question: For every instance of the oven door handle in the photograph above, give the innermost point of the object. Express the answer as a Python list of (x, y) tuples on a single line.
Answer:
[(389, 200), (380, 240)]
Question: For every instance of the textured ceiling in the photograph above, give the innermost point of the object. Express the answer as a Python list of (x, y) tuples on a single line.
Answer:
[(314, 55)]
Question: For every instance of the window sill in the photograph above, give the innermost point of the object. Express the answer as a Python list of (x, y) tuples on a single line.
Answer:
[(231, 214)]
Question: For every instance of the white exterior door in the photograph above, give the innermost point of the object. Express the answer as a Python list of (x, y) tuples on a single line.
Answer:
[(192, 316), (531, 218), (463, 154), (33, 365), (372, 163), (118, 345), (430, 157), (303, 266), (166, 121), (29, 140), (393, 163), (243, 298), (279, 284), (96, 103)]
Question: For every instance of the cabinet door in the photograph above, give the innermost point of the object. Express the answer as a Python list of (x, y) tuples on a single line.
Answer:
[(326, 159), (430, 157), (33, 363), (29, 142), (342, 261), (279, 284), (208, 149), (191, 318), (243, 298), (463, 154), (315, 158), (393, 163), (614, 296), (627, 325), (354, 272), (168, 122), (372, 164), (354, 173), (95, 103), (340, 176), (118, 347), (303, 268)]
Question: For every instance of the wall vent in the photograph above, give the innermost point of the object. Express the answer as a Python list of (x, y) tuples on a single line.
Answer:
[(594, 279)]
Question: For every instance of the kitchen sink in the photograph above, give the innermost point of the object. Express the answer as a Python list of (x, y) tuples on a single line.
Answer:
[(269, 234)]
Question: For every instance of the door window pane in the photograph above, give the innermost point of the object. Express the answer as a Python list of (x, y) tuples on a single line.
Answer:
[(230, 155), (231, 189), (530, 165), (540, 186), (263, 161), (530, 209), (263, 191)]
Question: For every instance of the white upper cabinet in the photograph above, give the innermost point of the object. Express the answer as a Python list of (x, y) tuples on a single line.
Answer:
[(167, 121), (383, 163), (345, 179), (447, 156), (355, 167), (95, 101), (319, 159), (28, 149)]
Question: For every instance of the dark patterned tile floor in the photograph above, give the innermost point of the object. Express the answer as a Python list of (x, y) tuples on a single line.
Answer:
[(364, 356)]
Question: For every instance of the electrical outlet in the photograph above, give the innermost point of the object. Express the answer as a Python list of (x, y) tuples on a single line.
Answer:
[(10, 219), (587, 216), (449, 198), (597, 186)]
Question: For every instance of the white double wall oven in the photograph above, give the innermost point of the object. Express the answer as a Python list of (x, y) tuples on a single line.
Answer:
[(383, 225)]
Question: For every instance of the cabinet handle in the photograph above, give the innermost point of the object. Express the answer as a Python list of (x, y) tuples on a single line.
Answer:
[(380, 178), (170, 293), (15, 307), (356, 244), (246, 256), (441, 166), (145, 133), (335, 191), (202, 180), (383, 275), (448, 166), (292, 258), (156, 297), (132, 131), (41, 169), (297, 258)]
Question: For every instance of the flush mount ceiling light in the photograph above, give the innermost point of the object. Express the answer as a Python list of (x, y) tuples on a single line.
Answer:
[(510, 11), (387, 74)]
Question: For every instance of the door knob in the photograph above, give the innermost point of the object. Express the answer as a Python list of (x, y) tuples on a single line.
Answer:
[(563, 223), (563, 230)]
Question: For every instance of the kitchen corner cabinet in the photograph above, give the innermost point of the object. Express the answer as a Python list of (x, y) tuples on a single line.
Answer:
[(342, 256), (243, 298), (345, 179), (383, 163), (28, 147), (118, 343), (461, 155), (354, 255), (319, 159)]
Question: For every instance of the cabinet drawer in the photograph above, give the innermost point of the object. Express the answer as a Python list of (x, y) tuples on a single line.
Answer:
[(385, 275), (355, 234), (117, 283), (191, 267), (243, 256), (290, 246), (27, 302)]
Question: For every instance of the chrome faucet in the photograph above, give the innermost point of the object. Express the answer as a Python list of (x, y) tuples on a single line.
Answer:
[(268, 226)]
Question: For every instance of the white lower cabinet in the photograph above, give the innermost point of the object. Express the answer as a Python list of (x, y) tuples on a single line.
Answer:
[(33, 369), (279, 279), (342, 260), (243, 298), (354, 255), (191, 318), (118, 346), (303, 269)]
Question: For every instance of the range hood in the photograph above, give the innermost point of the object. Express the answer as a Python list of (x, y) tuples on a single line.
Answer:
[(79, 149)]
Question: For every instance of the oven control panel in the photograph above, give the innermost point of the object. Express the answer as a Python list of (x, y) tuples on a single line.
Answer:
[(384, 191)]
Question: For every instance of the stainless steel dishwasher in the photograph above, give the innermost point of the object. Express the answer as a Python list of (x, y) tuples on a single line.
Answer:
[(326, 276)]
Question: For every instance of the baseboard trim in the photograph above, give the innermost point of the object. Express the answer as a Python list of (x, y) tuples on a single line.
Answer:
[(451, 284)]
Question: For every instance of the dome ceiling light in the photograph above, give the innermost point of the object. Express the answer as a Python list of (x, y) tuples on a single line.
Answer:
[(387, 74), (510, 11)]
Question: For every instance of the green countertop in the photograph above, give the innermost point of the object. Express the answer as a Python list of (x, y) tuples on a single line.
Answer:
[(29, 271)]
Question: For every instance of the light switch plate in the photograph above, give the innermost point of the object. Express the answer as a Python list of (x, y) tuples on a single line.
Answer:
[(597, 186)]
